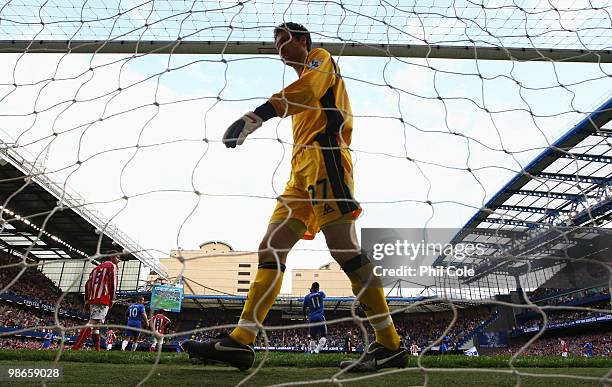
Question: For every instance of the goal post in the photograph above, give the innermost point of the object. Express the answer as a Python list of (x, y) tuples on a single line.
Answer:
[(345, 49), (127, 104)]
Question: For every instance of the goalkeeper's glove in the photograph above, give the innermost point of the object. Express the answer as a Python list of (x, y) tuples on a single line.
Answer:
[(240, 129)]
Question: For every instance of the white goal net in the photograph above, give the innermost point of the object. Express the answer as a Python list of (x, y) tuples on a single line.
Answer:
[(126, 102)]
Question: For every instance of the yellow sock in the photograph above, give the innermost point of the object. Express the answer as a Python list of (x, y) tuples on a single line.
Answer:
[(373, 302), (246, 331)]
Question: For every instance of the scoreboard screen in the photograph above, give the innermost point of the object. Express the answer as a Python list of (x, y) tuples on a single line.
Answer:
[(168, 298)]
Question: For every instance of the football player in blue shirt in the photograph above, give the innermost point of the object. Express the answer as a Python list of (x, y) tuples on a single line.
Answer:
[(47, 340), (588, 349), (135, 314), (313, 304)]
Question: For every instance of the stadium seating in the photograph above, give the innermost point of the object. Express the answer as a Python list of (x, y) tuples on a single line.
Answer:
[(34, 285), (602, 345)]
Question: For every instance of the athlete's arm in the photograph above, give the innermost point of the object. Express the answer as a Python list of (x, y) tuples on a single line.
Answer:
[(143, 314), (112, 283), (87, 290), (318, 76)]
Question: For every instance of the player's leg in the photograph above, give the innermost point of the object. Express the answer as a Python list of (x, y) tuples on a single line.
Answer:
[(130, 338), (135, 341), (98, 318), (83, 335), (95, 334), (317, 332), (311, 340), (290, 221), (342, 241), (386, 351), (288, 224), (155, 343), (273, 250), (312, 337), (322, 335), (236, 349), (335, 210), (321, 343), (96, 312)]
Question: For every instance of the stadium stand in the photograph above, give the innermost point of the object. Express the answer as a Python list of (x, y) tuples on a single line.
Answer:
[(33, 285), (531, 321), (23, 343), (17, 317), (30, 303), (424, 328), (568, 296), (602, 345)]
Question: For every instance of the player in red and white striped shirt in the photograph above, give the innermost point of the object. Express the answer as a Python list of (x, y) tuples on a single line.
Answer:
[(158, 324), (415, 349), (110, 339), (564, 348), (100, 291)]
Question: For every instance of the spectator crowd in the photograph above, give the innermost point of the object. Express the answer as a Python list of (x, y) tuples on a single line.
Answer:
[(601, 343), (553, 296), (33, 284), (563, 316), (422, 328), (16, 316)]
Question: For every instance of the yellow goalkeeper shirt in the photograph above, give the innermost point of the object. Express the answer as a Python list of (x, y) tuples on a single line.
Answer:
[(317, 102)]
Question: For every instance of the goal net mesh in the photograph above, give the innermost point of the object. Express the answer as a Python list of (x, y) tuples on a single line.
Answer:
[(133, 136)]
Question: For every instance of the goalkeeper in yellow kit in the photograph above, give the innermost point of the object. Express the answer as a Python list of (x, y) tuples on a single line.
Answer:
[(318, 197)]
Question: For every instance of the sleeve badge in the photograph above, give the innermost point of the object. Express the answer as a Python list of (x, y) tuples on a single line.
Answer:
[(313, 64)]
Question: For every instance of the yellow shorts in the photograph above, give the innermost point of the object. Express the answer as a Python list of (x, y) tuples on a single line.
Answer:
[(320, 190)]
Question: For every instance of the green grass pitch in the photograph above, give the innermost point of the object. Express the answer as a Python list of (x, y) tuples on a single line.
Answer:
[(88, 368)]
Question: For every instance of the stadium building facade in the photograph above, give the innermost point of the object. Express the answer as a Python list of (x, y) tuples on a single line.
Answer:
[(331, 277), (214, 269), (217, 269)]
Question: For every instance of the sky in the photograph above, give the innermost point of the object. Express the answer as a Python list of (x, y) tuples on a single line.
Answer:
[(142, 165)]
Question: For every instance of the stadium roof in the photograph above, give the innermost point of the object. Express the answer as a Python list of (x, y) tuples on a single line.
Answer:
[(36, 220), (567, 187)]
